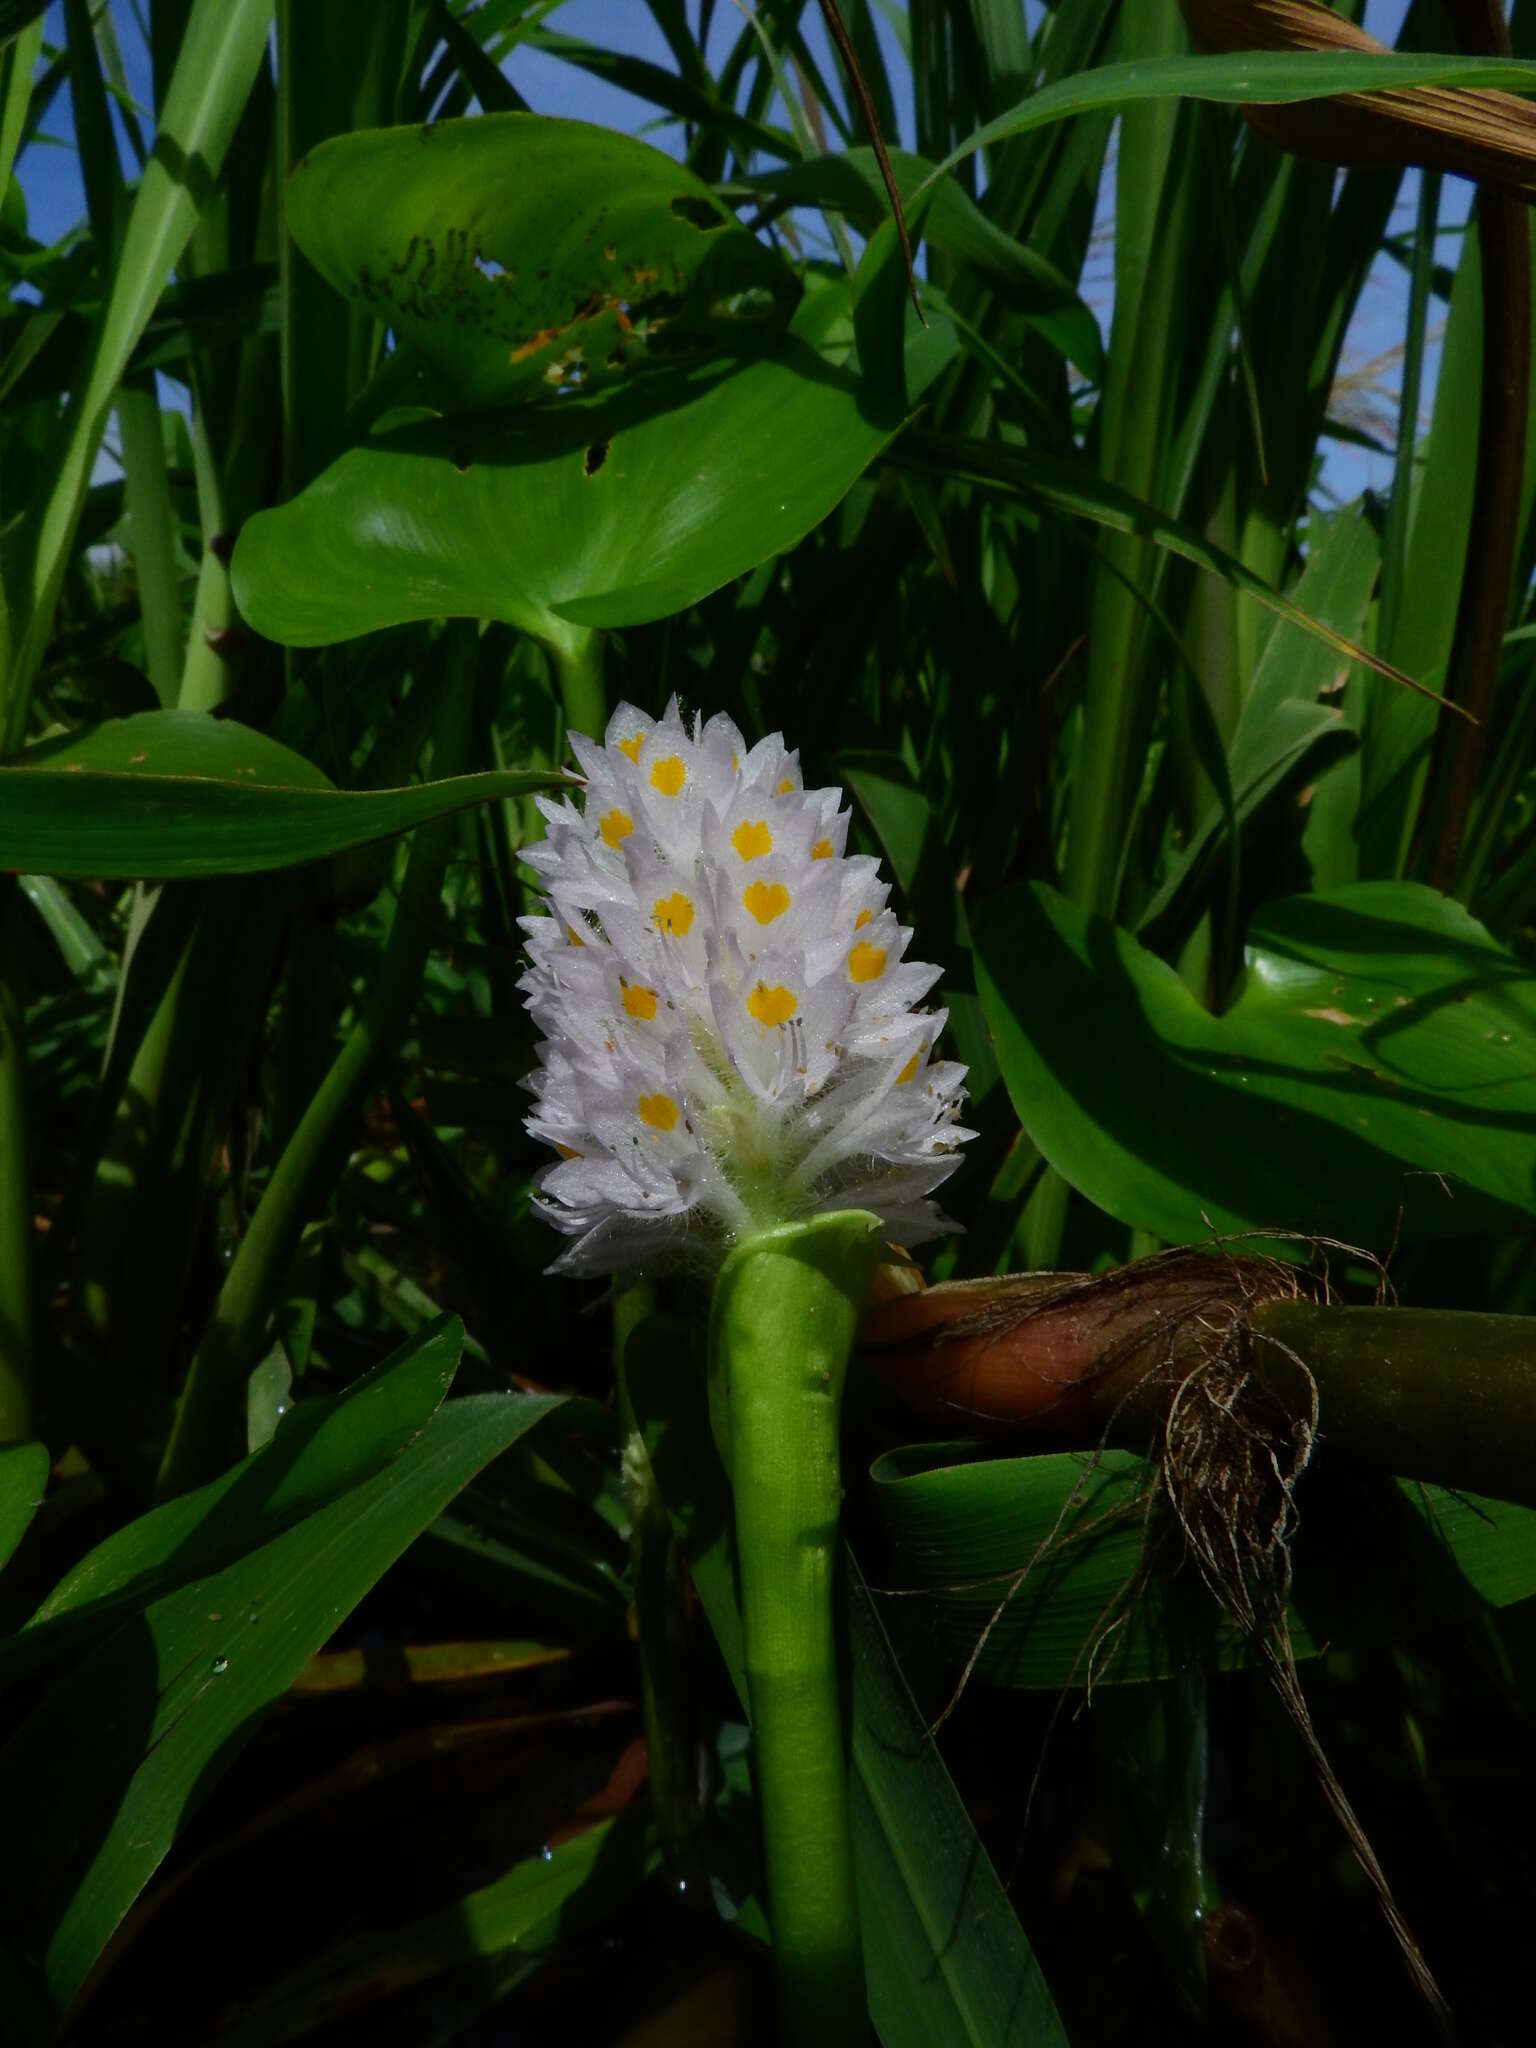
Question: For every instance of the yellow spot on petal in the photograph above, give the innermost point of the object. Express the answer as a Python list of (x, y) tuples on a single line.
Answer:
[(752, 839), (669, 774), (616, 826), (766, 900), (909, 1071), (822, 850), (786, 787), (673, 914), (659, 1111), (866, 962), (864, 917), (632, 745), (566, 1152), (774, 1005), (640, 1002)]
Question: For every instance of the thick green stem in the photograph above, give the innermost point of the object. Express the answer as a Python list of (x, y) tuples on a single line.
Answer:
[(17, 1333), (786, 1307), (1433, 1393), (251, 1289), (579, 672)]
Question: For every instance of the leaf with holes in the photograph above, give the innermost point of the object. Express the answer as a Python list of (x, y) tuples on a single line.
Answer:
[(525, 257)]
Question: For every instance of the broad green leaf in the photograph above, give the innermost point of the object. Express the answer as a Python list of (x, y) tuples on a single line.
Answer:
[(321, 1449), (947, 1962), (1048, 1570), (170, 793), (1377, 1073), (1030, 1561), (23, 1476), (524, 256), (608, 512), (539, 1902), (119, 1753)]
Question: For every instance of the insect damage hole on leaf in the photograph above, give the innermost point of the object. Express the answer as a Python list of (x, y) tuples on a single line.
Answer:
[(594, 458), (699, 213)]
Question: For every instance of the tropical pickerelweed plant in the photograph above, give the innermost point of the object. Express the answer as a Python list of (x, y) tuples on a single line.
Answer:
[(735, 1072), (364, 428)]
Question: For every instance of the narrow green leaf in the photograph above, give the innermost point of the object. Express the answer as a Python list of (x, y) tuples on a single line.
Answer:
[(171, 793), (1253, 77), (947, 1960), (23, 1476), (322, 1449), (16, 14), (100, 1795), (1070, 486), (224, 43), (539, 1902), (1024, 278), (1292, 704)]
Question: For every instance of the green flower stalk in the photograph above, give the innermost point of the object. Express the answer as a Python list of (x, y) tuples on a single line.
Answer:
[(737, 1077)]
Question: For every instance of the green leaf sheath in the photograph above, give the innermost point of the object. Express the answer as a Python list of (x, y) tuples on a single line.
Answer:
[(782, 1324)]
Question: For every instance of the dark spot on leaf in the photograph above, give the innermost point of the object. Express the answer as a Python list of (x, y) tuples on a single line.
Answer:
[(461, 458), (699, 213), (596, 456)]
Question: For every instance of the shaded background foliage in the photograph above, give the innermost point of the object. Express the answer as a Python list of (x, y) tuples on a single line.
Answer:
[(1064, 597)]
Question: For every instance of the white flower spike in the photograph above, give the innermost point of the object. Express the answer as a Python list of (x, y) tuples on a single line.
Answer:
[(730, 1037)]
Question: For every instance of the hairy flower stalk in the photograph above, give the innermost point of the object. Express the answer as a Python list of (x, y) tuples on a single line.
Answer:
[(737, 1075)]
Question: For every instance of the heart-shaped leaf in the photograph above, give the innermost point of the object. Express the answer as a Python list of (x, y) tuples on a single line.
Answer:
[(560, 518)]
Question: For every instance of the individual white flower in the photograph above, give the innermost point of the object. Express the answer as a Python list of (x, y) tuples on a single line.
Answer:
[(730, 1032)]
